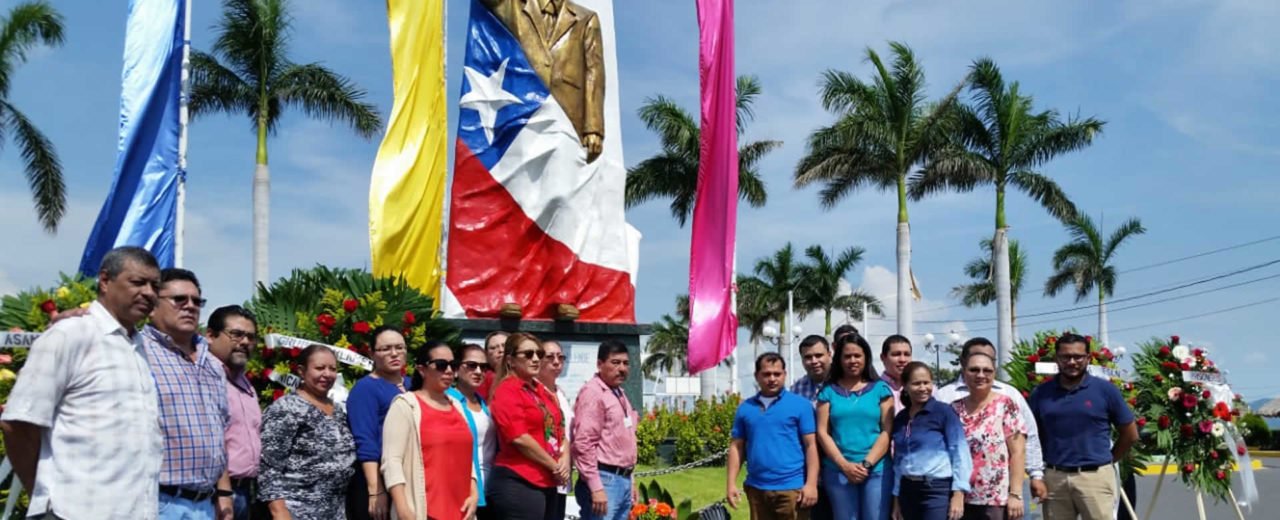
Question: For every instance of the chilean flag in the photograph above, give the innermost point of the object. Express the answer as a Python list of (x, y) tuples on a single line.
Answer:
[(531, 222)]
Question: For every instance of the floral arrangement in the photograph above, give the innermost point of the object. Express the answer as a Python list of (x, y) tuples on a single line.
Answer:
[(656, 504), (1193, 423), (652, 510)]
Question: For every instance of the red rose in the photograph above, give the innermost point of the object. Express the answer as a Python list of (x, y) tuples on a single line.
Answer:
[(361, 327), (1050, 340), (1185, 366), (268, 353), (1169, 365), (350, 304), (1221, 475), (1163, 421), (1106, 354), (406, 331), (1026, 394), (326, 320), (1033, 359), (409, 318), (1205, 394), (1042, 352), (1188, 400), (266, 373), (1088, 339), (1164, 351), (325, 331), (1175, 340), (1159, 378), (276, 395), (1222, 411), (1214, 454), (1240, 450), (294, 352), (1188, 467), (1198, 352), (1133, 401), (1188, 430), (1142, 421), (48, 307)]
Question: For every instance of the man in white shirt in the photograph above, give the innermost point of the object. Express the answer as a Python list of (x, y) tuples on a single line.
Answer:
[(957, 390), (82, 423)]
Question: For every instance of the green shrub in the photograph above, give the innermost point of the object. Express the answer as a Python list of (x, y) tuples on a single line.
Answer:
[(1256, 432), (698, 433)]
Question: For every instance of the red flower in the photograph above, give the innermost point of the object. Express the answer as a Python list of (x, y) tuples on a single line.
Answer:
[(1159, 378), (1163, 421), (1188, 430), (1026, 394), (1175, 340), (1222, 411), (48, 307), (1050, 340), (1142, 421), (409, 318), (1088, 339), (1188, 467), (1106, 354), (1185, 366), (350, 304), (1133, 401), (1042, 352), (266, 373), (294, 352), (1033, 358), (1206, 427), (1169, 365), (361, 327), (1205, 394), (1188, 400), (1240, 450), (326, 320), (325, 331), (1221, 475), (1214, 454), (1198, 352), (1165, 351), (276, 395), (268, 353)]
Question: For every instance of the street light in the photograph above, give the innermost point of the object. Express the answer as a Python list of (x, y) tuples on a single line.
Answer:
[(775, 337), (937, 348)]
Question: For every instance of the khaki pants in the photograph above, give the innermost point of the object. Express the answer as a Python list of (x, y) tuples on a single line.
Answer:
[(775, 505), (1089, 494)]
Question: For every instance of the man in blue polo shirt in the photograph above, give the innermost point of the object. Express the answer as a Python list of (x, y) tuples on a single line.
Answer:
[(1075, 412), (775, 430)]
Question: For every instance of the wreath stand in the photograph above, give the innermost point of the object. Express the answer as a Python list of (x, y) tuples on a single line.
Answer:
[(1199, 500)]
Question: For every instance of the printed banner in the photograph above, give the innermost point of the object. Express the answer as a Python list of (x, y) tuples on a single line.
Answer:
[(1094, 370), (17, 339), (344, 356)]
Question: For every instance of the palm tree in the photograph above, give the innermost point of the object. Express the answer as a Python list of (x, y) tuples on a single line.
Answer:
[(673, 173), (820, 279), (753, 310), (883, 132), (982, 291), (775, 277), (27, 25), (1000, 141), (668, 346), (249, 73), (1086, 263)]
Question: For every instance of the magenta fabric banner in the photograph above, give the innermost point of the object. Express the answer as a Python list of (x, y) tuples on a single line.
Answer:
[(713, 324)]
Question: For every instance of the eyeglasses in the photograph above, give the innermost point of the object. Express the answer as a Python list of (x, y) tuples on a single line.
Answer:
[(388, 348), (980, 370), (441, 364), (530, 354), (1073, 358), (238, 335), (555, 357), (180, 300), (472, 366)]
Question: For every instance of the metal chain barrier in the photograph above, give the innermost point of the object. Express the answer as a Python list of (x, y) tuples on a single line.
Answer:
[(683, 467)]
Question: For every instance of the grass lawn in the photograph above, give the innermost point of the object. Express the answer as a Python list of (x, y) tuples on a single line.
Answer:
[(701, 485)]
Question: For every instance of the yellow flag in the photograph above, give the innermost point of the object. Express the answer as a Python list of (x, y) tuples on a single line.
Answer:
[(406, 192)]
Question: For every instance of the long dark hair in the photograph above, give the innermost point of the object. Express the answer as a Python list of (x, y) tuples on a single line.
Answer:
[(424, 355), (837, 366), (508, 353), (906, 378)]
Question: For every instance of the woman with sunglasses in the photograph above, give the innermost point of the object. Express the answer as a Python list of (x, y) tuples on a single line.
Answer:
[(427, 445), (930, 455), (367, 407), (552, 367), (471, 377), (997, 440), (855, 416), (530, 462)]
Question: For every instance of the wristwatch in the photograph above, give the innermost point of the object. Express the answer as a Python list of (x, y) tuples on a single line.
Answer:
[(866, 464)]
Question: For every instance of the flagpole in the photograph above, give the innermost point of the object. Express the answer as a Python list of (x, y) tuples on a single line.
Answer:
[(183, 118)]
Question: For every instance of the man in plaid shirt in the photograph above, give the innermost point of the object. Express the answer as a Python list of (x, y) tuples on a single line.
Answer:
[(815, 354), (193, 401)]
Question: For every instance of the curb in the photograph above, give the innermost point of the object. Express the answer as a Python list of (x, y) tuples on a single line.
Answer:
[(1170, 469)]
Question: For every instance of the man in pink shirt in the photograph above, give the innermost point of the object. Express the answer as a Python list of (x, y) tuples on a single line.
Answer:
[(232, 334), (895, 353), (604, 438)]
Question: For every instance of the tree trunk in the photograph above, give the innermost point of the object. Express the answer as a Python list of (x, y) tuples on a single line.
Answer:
[(1013, 318), (827, 331), (905, 296), (707, 382), (1004, 299), (1102, 321), (261, 204)]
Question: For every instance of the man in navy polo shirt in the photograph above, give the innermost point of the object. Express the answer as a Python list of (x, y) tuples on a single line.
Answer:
[(1075, 412), (775, 430)]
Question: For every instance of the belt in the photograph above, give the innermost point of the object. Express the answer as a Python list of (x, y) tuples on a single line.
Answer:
[(1073, 469), (616, 470), (188, 494), (914, 478)]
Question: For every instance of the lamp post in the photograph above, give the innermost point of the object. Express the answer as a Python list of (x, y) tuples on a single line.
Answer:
[(774, 337), (937, 348)]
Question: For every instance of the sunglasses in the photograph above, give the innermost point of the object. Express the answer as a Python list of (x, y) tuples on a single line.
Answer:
[(555, 357), (441, 364), (182, 299), (472, 366), (530, 354)]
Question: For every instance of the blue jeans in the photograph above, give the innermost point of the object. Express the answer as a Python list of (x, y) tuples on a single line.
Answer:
[(174, 508), (866, 501), (616, 488), (928, 499), (240, 503)]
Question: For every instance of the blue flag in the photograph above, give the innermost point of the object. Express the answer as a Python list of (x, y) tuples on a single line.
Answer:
[(141, 208)]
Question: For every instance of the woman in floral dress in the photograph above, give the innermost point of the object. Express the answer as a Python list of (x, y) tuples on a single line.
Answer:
[(307, 449), (997, 440)]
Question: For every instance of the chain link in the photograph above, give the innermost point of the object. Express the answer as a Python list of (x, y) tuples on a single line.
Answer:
[(683, 467)]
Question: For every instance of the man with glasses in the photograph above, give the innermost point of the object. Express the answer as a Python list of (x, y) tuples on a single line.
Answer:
[(604, 438), (191, 383), (1075, 412), (232, 334)]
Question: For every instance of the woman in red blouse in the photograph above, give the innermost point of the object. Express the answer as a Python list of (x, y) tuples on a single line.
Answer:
[(532, 456)]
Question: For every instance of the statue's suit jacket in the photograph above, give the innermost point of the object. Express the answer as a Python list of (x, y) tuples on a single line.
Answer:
[(572, 66)]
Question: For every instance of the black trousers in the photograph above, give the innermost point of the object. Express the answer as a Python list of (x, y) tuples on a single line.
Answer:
[(511, 497)]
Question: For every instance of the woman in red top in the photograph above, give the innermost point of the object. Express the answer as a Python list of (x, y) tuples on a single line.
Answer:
[(532, 457)]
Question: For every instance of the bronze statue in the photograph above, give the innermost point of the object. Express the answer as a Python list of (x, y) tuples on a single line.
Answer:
[(562, 41)]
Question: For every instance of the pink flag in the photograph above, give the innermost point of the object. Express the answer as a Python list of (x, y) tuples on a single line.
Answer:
[(713, 325)]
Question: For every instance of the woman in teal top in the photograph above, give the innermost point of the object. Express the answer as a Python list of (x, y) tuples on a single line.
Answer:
[(855, 418)]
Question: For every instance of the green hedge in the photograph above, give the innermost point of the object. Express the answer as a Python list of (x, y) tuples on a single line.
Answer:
[(698, 431)]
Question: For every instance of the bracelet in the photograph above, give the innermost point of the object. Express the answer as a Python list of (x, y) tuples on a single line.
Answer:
[(1015, 495), (380, 493)]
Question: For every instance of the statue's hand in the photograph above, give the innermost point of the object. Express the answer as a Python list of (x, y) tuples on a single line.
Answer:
[(594, 145)]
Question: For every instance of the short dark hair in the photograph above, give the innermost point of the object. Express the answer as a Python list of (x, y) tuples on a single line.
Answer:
[(1068, 338), (373, 335), (771, 358), (811, 340), (468, 347), (491, 334), (113, 262), (218, 320), (994, 362), (896, 338), (837, 364), (423, 356), (911, 368), (312, 350), (843, 331), (974, 342), (609, 347), (170, 274)]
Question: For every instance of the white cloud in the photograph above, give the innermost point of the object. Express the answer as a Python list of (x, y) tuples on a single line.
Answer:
[(1256, 357)]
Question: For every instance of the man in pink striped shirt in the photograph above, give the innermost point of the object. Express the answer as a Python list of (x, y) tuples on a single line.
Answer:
[(604, 438), (232, 334)]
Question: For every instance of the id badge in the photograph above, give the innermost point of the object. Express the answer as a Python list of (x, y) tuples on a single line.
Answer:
[(626, 421)]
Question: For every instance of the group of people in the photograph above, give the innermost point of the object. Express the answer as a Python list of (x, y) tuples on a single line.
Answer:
[(111, 421), (845, 443)]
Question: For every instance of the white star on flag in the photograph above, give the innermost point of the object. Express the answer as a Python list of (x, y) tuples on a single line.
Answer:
[(487, 96)]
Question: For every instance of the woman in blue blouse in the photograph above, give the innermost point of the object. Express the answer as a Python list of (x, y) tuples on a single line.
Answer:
[(367, 407), (855, 414), (471, 376), (930, 454)]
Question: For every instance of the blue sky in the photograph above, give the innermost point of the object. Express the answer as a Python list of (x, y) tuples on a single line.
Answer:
[(1189, 147)]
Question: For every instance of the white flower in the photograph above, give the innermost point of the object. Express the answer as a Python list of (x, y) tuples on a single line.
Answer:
[(1189, 361), (1181, 352), (1219, 429)]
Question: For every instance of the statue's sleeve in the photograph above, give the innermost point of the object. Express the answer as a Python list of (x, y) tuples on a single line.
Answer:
[(595, 76)]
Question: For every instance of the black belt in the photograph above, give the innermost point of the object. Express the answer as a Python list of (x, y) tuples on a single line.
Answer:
[(914, 478), (1073, 469), (189, 494), (619, 471)]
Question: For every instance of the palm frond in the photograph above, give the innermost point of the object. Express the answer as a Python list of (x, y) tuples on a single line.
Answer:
[(323, 94), (253, 39), (28, 24), (676, 129), (657, 176), (215, 88), (747, 89), (1046, 192), (1130, 228), (41, 165)]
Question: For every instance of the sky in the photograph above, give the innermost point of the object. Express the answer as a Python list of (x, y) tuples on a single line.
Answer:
[(1189, 147)]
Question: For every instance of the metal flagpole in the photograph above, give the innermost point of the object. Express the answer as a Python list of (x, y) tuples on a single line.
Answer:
[(791, 345), (184, 117), (864, 320)]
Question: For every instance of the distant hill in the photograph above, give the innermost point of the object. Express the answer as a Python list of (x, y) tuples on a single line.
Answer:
[(1256, 404)]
